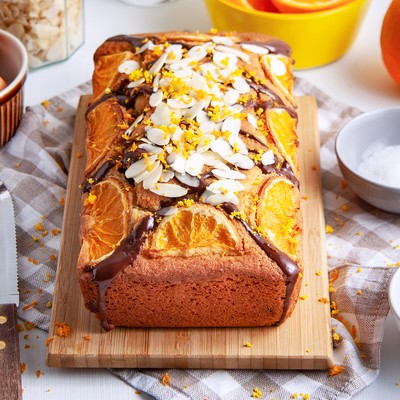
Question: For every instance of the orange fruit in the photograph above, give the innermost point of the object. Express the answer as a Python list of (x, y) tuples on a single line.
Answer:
[(260, 5), (277, 215), (105, 125), (282, 127), (304, 6), (196, 230), (106, 71), (390, 40), (104, 219)]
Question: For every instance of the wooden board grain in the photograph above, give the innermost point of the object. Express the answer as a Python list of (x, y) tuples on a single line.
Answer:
[(302, 342)]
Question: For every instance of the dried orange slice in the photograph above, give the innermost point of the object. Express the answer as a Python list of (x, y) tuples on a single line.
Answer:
[(104, 219), (106, 71), (283, 129), (303, 6), (279, 69), (196, 230), (105, 125), (277, 215)]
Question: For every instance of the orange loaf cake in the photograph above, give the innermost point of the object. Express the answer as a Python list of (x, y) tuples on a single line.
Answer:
[(190, 199)]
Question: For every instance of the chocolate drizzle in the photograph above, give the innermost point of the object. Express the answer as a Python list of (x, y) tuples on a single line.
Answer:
[(98, 175), (284, 170), (284, 262), (124, 255)]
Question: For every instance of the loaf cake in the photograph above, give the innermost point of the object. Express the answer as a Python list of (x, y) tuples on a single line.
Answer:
[(190, 198)]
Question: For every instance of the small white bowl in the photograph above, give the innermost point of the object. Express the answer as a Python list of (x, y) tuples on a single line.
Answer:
[(373, 130), (394, 297)]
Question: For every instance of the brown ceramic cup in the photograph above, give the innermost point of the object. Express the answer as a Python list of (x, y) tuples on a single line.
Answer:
[(13, 71)]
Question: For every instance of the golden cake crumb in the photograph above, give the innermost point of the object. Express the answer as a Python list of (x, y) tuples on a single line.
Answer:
[(248, 344), (22, 367), (329, 229)]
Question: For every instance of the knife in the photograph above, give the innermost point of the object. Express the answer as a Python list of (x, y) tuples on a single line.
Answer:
[(10, 375)]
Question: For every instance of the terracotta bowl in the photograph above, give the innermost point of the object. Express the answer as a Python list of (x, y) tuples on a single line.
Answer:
[(13, 70)]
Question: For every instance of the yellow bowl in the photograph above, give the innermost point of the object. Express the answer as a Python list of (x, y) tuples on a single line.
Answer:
[(316, 38)]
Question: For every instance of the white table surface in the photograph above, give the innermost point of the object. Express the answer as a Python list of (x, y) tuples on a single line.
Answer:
[(359, 79)]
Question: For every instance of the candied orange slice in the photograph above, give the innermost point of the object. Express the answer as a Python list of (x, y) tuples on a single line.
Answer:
[(283, 129), (196, 230), (105, 124), (106, 71), (277, 215), (279, 70), (104, 219), (302, 6)]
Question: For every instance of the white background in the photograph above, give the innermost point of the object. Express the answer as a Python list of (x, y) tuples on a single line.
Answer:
[(359, 79)]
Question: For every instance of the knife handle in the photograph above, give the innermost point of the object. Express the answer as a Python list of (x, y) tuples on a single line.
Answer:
[(10, 376)]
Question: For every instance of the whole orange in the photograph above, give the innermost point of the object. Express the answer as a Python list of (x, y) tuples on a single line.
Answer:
[(390, 40)]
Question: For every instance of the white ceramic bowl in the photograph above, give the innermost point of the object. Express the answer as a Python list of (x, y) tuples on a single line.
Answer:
[(13, 69), (394, 297), (363, 135)]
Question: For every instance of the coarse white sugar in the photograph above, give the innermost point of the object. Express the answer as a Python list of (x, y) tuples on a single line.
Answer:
[(382, 166)]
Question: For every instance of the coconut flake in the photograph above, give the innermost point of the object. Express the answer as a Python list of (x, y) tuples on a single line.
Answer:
[(182, 64), (174, 53), (268, 158), (252, 120), (128, 66), (153, 176), (184, 101), (197, 52), (161, 115), (195, 110), (134, 124), (166, 211), (278, 68), (177, 163), (232, 50), (241, 85), (253, 48), (148, 45), (225, 60), (237, 143), (188, 180), (158, 64), (194, 164), (135, 84), (150, 148), (231, 97), (158, 136), (156, 82), (225, 186), (220, 198), (169, 190), (226, 41), (231, 125), (240, 161), (222, 147), (230, 174), (140, 166), (156, 98), (166, 175)]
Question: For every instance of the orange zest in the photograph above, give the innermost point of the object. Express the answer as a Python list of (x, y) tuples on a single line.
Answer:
[(305, 6)]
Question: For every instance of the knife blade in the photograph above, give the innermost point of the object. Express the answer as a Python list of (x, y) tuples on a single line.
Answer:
[(10, 377)]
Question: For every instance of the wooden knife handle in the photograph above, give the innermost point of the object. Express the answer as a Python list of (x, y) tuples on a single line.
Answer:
[(10, 375)]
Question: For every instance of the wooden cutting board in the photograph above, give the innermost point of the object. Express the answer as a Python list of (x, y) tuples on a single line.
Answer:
[(301, 342)]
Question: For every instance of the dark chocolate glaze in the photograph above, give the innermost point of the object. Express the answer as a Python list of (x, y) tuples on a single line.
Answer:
[(134, 41), (284, 170), (274, 46), (284, 262), (124, 255), (98, 175)]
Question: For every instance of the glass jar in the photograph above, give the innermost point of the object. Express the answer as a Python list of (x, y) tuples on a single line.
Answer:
[(51, 30)]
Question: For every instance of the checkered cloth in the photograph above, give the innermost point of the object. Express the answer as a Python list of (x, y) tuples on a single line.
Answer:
[(361, 249)]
